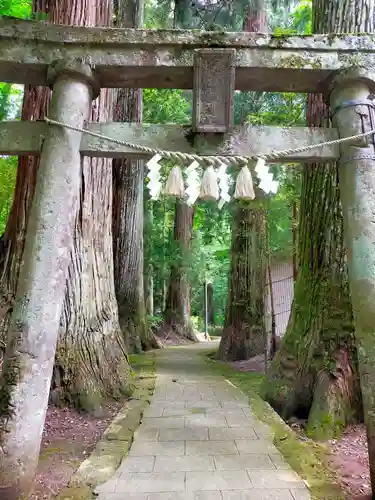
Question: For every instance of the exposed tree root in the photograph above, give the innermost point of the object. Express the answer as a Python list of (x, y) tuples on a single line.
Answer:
[(327, 397), (175, 335), (90, 371), (242, 344)]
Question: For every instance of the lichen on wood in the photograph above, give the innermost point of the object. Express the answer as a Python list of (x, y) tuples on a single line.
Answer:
[(357, 188), (132, 58)]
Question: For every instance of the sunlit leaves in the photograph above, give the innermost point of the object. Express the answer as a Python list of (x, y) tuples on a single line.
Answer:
[(165, 106), (15, 8), (8, 169)]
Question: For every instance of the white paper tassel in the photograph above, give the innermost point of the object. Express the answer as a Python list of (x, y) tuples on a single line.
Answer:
[(267, 184), (223, 179), (209, 187), (154, 184), (175, 183), (244, 185), (261, 167), (192, 182)]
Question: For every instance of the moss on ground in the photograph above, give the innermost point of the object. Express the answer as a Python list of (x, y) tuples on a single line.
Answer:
[(308, 459), (143, 364), (76, 493)]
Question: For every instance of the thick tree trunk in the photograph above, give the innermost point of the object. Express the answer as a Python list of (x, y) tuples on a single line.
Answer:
[(183, 14), (244, 328), (255, 17), (34, 326), (271, 342), (177, 308), (315, 372), (243, 333), (148, 271), (91, 359), (128, 180), (177, 297), (149, 289), (210, 305), (295, 239)]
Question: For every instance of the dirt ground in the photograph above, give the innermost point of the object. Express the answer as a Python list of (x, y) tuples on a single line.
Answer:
[(68, 439), (350, 457), (348, 454)]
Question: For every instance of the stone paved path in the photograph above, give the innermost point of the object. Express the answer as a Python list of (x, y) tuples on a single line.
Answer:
[(200, 440)]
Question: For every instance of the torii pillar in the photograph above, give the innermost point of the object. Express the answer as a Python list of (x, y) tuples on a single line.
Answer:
[(354, 113), (34, 326)]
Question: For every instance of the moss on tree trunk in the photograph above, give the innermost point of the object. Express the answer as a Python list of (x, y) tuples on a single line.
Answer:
[(210, 305), (315, 373), (90, 333), (128, 181), (243, 333), (177, 307)]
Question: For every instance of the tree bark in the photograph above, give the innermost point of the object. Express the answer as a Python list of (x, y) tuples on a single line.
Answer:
[(128, 181), (32, 336), (91, 359), (243, 333), (244, 327), (210, 305), (148, 268), (177, 299), (315, 374), (177, 308), (295, 239), (255, 17), (271, 343)]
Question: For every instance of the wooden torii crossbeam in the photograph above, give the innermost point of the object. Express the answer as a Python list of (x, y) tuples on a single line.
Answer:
[(22, 137), (137, 58), (77, 62)]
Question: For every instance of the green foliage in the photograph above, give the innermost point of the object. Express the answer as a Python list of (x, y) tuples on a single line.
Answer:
[(212, 228), (8, 170), (165, 106), (10, 98), (10, 108), (295, 20), (10, 101), (210, 256), (5, 89), (15, 8), (287, 109), (157, 14), (302, 18)]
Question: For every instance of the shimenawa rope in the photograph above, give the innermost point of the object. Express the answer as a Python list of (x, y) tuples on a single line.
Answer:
[(217, 159)]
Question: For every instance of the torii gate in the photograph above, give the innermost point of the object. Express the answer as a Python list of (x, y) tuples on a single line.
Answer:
[(77, 62)]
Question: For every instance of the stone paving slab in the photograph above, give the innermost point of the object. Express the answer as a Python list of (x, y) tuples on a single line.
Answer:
[(200, 440), (218, 480), (231, 433), (187, 434), (253, 494), (244, 462)]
